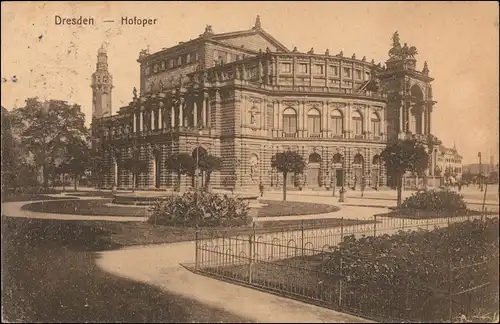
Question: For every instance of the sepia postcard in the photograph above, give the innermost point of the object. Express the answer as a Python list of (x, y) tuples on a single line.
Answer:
[(250, 161)]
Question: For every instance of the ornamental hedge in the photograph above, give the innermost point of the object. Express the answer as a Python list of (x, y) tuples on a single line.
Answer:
[(201, 209), (409, 275), (435, 200)]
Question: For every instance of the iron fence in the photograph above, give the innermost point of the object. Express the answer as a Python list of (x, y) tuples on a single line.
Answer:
[(291, 262)]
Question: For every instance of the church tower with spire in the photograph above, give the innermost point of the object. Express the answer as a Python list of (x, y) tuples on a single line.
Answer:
[(102, 84)]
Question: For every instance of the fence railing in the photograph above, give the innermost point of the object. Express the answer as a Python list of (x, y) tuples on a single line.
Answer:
[(291, 262)]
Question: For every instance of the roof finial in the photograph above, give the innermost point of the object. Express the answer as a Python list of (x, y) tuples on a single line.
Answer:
[(425, 70), (257, 23), (102, 49)]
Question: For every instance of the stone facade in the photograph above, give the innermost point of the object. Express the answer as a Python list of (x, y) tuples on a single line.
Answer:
[(233, 98)]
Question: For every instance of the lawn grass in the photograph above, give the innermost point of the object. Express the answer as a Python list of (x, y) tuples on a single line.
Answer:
[(49, 274), (98, 207), (431, 214), (85, 207), (292, 208), (30, 197)]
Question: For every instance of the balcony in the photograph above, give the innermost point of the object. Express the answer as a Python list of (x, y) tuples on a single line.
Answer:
[(319, 89), (289, 134), (315, 135)]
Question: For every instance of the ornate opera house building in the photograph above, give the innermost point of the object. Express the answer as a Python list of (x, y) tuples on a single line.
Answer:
[(244, 96)]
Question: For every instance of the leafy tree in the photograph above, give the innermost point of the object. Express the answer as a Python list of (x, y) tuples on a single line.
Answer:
[(209, 163), (135, 165), (98, 169), (182, 163), (288, 162), (78, 154), (404, 156), (47, 128)]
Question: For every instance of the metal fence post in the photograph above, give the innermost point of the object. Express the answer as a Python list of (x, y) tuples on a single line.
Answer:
[(197, 251), (302, 238), (375, 226), (340, 263), (250, 241), (450, 300)]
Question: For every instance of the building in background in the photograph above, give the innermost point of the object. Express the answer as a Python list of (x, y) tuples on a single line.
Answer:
[(243, 96), (449, 164)]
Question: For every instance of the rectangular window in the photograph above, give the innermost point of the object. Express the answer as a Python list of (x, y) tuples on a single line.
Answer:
[(163, 65), (290, 124), (188, 58), (334, 70), (376, 127), (179, 60), (228, 58), (358, 74), (358, 126), (319, 68), (303, 68), (196, 57), (367, 76), (170, 64), (286, 67), (337, 125), (314, 124), (347, 72), (155, 68)]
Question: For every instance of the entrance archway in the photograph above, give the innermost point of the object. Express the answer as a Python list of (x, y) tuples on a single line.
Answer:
[(197, 155), (417, 97), (157, 169), (337, 171), (313, 170), (375, 172), (358, 170)]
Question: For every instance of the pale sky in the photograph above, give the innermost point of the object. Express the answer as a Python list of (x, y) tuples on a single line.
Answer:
[(459, 40)]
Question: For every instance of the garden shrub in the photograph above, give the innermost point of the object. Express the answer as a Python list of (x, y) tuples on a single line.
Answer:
[(434, 200), (406, 275), (200, 208)]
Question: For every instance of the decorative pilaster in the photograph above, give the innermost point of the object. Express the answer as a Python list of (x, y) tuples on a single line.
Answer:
[(181, 112), (204, 111), (172, 116), (141, 120), (195, 113), (160, 119), (134, 121)]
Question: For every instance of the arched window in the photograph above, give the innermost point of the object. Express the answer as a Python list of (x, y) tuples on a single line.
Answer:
[(375, 124), (357, 123), (290, 121), (314, 121), (337, 122)]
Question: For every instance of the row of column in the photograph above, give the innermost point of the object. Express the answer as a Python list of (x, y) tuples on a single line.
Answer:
[(179, 105), (422, 122)]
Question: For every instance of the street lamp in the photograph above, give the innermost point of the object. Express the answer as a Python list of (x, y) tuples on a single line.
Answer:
[(197, 170), (480, 176), (342, 190)]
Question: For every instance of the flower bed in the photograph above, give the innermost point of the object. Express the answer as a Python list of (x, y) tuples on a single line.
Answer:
[(203, 209), (410, 275), (435, 200)]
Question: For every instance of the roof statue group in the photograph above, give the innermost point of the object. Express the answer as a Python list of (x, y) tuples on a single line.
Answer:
[(401, 52)]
